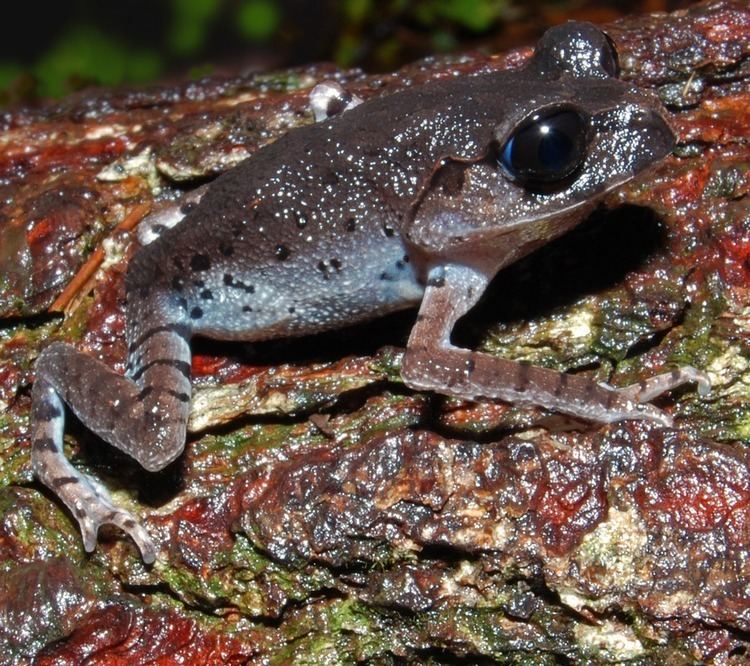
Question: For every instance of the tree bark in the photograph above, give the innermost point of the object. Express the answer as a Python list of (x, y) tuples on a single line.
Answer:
[(323, 513)]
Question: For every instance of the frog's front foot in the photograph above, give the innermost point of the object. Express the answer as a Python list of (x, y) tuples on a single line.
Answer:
[(648, 389)]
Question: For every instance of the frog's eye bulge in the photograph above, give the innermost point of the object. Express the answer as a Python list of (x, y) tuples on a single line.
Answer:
[(546, 148), (578, 48), (608, 58)]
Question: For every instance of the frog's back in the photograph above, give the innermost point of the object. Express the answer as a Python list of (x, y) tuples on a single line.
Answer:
[(305, 234)]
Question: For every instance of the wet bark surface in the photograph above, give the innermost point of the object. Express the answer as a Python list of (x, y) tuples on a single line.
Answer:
[(322, 512)]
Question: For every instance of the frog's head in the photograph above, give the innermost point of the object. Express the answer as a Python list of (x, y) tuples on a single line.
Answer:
[(566, 132), (584, 130)]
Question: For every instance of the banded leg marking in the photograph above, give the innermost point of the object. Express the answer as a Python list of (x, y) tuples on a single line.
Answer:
[(144, 415), (89, 503), (432, 363)]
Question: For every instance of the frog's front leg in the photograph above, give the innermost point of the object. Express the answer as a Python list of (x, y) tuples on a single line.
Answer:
[(144, 414), (432, 363)]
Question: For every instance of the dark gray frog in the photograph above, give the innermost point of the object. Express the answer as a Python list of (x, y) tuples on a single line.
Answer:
[(417, 197)]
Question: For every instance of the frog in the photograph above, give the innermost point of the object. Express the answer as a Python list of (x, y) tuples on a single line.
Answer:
[(414, 199)]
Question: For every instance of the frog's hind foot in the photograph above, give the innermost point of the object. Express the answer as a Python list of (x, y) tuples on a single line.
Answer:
[(89, 503), (97, 509)]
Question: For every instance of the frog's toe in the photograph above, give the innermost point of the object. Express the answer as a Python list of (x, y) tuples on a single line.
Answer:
[(137, 533), (648, 389), (703, 381), (643, 412), (107, 514)]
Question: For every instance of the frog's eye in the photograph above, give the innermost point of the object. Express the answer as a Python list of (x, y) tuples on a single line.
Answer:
[(546, 148)]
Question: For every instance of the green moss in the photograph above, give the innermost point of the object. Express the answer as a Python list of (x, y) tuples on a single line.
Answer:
[(38, 524), (340, 631), (383, 413), (280, 82), (698, 344), (14, 460), (388, 362), (727, 183), (72, 328), (247, 580), (488, 631)]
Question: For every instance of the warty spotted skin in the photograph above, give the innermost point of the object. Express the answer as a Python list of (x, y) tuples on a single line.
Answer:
[(417, 197)]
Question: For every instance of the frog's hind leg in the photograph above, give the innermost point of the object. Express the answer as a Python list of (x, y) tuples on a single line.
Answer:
[(144, 414), (432, 363)]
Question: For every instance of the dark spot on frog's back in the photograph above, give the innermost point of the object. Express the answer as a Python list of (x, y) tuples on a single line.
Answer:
[(329, 177), (61, 481), (281, 252), (227, 249), (200, 262)]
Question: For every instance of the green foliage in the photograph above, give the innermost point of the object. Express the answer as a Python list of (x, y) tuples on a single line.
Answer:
[(437, 25), (82, 51), (474, 15), (356, 11), (109, 44), (9, 72), (258, 19), (191, 20), (88, 55)]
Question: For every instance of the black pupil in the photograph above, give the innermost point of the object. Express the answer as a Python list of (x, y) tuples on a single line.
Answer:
[(546, 149)]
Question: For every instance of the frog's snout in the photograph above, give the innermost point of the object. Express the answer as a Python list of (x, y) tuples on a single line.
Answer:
[(662, 138)]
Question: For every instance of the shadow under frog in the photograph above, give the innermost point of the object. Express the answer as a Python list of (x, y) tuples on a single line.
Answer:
[(417, 197)]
